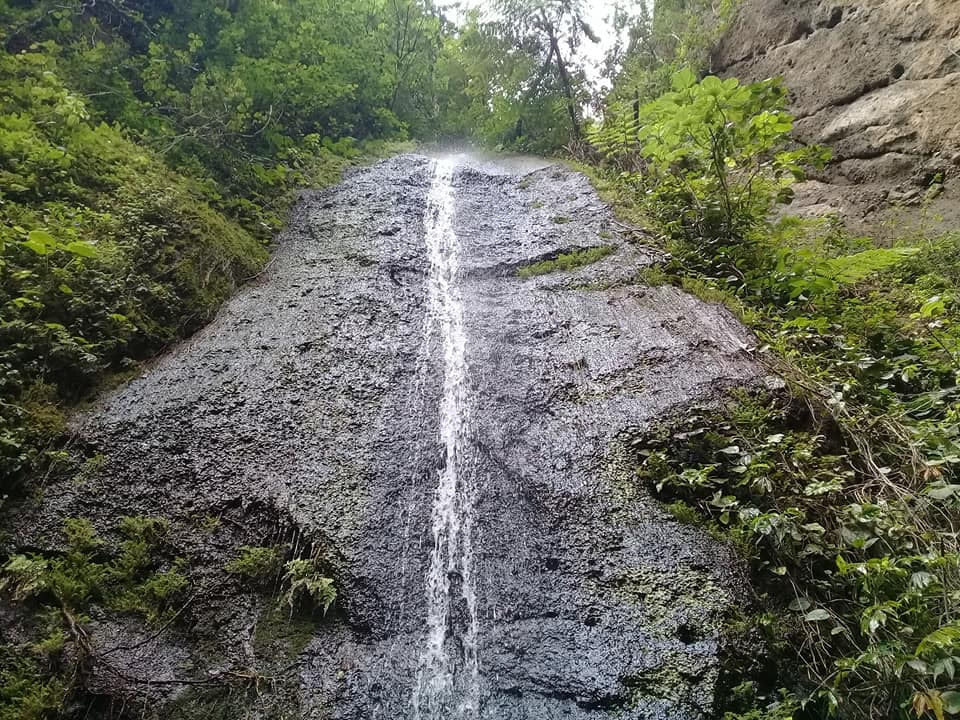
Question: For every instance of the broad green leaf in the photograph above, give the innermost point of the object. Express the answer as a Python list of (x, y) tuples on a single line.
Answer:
[(683, 79), (38, 248), (41, 237), (942, 638), (951, 702), (82, 249)]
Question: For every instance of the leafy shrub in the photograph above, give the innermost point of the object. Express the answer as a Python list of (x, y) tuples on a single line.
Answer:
[(105, 256), (716, 157), (865, 581)]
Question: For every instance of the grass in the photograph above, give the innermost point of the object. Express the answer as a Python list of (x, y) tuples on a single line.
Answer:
[(564, 262)]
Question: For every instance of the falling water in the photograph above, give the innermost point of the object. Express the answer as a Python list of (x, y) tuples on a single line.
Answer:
[(447, 679)]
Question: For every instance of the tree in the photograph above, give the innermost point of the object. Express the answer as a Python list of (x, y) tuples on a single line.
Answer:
[(540, 28)]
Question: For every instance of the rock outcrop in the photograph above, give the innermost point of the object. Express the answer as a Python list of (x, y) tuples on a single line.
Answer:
[(313, 414), (876, 80)]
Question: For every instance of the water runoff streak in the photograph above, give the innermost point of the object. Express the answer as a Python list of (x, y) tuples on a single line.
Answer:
[(447, 683)]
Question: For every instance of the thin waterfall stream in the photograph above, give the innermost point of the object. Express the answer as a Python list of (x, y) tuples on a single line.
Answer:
[(447, 684)]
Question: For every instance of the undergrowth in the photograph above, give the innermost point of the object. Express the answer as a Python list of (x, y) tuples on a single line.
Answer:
[(49, 652), (54, 647), (842, 489)]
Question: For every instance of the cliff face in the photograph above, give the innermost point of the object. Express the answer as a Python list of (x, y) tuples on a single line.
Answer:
[(876, 80)]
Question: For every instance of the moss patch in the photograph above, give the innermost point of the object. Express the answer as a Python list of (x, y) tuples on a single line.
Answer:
[(565, 262)]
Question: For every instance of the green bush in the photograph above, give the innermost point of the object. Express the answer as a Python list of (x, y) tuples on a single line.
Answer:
[(716, 157), (843, 491), (106, 256)]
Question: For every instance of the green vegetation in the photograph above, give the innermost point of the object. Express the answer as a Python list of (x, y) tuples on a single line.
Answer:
[(715, 156), (44, 665), (842, 490), (302, 579), (307, 585), (565, 262), (257, 563), (54, 593)]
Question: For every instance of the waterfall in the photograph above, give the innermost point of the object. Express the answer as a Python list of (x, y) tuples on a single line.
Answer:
[(447, 684)]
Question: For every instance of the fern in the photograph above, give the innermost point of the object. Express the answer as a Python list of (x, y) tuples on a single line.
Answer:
[(944, 639), (305, 579), (853, 268)]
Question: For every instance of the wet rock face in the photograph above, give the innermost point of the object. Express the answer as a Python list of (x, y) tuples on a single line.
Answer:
[(317, 392), (876, 80)]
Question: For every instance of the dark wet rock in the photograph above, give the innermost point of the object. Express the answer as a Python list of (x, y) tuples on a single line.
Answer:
[(310, 406)]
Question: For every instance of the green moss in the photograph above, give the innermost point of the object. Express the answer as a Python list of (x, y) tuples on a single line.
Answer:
[(567, 261), (654, 276), (560, 219), (90, 468), (279, 634), (257, 562), (669, 680), (684, 513), (54, 593), (26, 691)]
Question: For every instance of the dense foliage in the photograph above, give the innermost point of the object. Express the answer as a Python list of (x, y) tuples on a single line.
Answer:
[(842, 489), (147, 151)]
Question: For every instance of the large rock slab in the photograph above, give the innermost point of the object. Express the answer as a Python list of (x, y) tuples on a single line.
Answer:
[(314, 398)]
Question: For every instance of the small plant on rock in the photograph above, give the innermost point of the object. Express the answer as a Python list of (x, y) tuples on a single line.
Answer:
[(306, 583), (257, 562)]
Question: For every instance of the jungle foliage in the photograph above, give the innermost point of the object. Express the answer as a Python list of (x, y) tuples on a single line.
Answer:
[(147, 155), (842, 488)]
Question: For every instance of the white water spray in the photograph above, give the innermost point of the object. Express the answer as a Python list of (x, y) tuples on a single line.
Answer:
[(448, 676)]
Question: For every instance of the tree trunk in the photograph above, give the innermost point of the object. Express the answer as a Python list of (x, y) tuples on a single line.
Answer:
[(567, 89)]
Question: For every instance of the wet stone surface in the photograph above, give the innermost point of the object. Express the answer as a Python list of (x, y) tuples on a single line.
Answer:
[(316, 392)]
